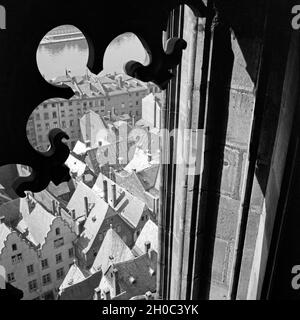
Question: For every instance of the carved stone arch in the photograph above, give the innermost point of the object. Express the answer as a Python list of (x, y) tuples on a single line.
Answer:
[(100, 22)]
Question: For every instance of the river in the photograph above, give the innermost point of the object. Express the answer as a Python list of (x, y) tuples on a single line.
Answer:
[(53, 59)]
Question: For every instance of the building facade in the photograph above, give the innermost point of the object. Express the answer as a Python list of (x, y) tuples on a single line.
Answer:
[(117, 94), (36, 250)]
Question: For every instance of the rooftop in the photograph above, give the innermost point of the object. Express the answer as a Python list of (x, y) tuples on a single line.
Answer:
[(93, 223), (113, 250), (77, 200)]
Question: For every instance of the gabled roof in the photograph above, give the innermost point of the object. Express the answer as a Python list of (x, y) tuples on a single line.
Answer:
[(94, 129), (75, 165), (81, 290), (128, 206), (74, 275), (140, 161), (77, 201), (141, 269), (13, 210), (80, 148), (113, 250), (61, 189), (148, 176), (4, 232), (93, 223), (4, 197), (130, 182), (148, 233), (38, 223)]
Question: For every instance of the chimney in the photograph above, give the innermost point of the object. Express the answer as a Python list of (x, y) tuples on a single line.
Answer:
[(88, 143), (133, 121), (105, 191), (154, 120), (97, 294), (2, 219), (86, 206), (149, 157), (111, 174), (109, 115), (114, 194), (99, 143), (149, 295), (115, 282), (73, 214), (26, 232), (147, 245), (54, 207), (120, 82), (154, 206), (106, 293), (59, 211)]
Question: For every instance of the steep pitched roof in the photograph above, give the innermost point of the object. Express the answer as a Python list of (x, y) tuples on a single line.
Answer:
[(148, 176), (113, 249), (74, 275), (75, 165), (80, 148), (130, 182), (61, 189), (142, 269), (93, 129), (93, 223), (128, 206), (139, 161), (81, 290), (148, 233), (13, 210), (38, 223), (4, 197), (77, 201), (4, 232)]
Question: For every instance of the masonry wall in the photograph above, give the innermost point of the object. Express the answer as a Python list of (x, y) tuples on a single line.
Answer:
[(49, 251), (29, 256)]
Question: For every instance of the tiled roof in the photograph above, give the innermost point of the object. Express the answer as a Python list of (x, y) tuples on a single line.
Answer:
[(11, 211), (137, 270), (80, 148), (74, 275), (148, 176), (140, 161), (94, 129), (38, 222), (113, 249), (61, 189), (77, 201), (130, 182), (4, 232), (82, 290), (4, 197), (128, 206), (75, 165), (148, 233), (93, 223)]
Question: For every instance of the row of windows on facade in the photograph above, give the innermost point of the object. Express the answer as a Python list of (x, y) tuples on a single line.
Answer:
[(70, 103), (54, 116), (46, 115), (46, 279), (44, 263)]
